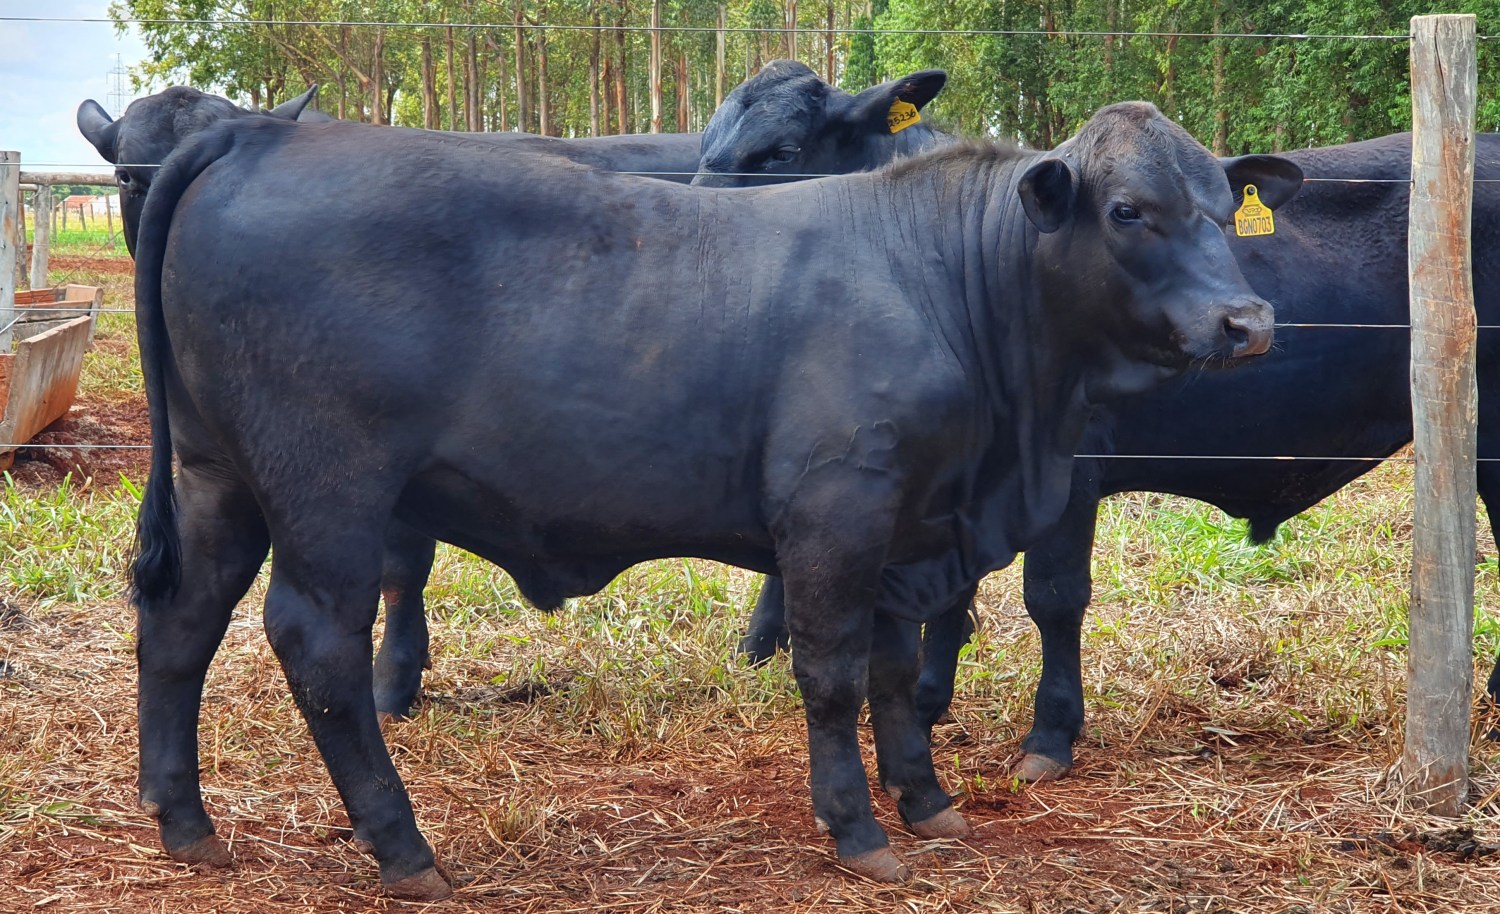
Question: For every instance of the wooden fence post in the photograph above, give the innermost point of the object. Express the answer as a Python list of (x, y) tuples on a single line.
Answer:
[(10, 215), (1440, 666), (41, 216)]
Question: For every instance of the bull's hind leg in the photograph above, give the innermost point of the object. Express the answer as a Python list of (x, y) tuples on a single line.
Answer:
[(223, 545), (404, 648), (766, 633), (320, 609), (902, 750)]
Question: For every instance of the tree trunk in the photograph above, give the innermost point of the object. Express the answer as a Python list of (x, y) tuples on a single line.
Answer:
[(1221, 114), (1111, 20), (684, 94), (377, 79), (828, 44), (543, 97), (622, 71), (606, 90), (429, 86), (719, 38), (594, 76), (472, 102), (452, 82), (791, 29), (1169, 79), (655, 75), (523, 102)]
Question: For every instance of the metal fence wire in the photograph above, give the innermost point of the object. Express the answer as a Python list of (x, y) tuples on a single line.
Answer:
[(810, 31)]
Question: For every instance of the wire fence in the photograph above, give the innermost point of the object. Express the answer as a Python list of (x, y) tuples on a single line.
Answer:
[(758, 30), (727, 29)]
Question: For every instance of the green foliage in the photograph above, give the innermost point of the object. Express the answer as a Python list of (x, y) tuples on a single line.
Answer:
[(1236, 93)]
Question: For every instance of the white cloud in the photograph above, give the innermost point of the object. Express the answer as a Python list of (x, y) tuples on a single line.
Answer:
[(48, 68)]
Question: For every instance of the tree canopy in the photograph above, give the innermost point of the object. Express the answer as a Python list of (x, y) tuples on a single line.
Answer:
[(1034, 71)]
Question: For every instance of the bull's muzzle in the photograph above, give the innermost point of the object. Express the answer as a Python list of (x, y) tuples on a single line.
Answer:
[(1248, 328)]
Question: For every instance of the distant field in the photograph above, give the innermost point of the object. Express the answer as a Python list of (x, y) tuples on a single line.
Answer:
[(76, 239), (1244, 706)]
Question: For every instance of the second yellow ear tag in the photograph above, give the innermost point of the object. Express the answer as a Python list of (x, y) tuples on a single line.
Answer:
[(1253, 217), (901, 116)]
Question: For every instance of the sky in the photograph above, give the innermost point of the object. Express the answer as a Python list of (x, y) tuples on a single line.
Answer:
[(47, 69)]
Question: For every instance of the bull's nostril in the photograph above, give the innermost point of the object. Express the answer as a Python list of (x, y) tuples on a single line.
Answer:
[(1236, 333)]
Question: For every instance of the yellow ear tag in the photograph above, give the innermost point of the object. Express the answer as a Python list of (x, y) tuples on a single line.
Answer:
[(901, 116), (1253, 218)]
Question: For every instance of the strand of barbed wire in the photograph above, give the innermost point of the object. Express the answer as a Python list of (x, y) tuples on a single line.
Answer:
[(1082, 457), (28, 309), (611, 28), (109, 178), (729, 29)]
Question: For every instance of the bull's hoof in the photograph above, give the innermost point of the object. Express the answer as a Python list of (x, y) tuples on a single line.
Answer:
[(946, 824), (206, 851), (1034, 767), (428, 885), (881, 865)]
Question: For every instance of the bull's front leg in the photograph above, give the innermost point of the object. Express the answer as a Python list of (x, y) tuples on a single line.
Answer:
[(1057, 590), (831, 571)]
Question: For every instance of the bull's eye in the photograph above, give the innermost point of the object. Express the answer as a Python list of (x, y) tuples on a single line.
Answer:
[(783, 155), (122, 177), (1124, 213)]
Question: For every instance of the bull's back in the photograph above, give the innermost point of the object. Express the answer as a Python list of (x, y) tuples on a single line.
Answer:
[(587, 345)]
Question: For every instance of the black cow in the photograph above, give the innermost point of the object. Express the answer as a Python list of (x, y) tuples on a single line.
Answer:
[(873, 385), (786, 121), (1338, 257), (151, 128)]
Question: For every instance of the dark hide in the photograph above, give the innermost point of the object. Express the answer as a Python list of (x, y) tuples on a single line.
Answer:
[(872, 384)]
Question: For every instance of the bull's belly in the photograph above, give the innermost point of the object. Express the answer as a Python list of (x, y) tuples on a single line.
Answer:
[(561, 542)]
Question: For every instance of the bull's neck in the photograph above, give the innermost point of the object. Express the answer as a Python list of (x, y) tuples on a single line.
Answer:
[(1027, 386), (1020, 349)]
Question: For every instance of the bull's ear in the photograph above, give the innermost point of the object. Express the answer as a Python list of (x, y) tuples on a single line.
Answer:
[(873, 106), (1276, 180), (98, 128), (293, 107), (1048, 189)]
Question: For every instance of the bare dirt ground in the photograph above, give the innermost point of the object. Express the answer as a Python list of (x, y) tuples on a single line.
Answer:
[(714, 816)]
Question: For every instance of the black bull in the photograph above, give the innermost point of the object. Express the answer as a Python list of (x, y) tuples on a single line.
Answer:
[(785, 104), (873, 385), (1338, 257)]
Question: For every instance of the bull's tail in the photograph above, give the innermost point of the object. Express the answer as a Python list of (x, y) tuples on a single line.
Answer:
[(157, 570)]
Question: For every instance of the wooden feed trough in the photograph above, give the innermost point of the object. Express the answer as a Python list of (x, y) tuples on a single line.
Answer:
[(39, 380), (41, 310)]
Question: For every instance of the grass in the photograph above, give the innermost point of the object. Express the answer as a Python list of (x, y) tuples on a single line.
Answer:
[(1244, 710), (76, 239)]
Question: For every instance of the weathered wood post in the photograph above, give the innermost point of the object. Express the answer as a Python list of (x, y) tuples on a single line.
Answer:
[(1440, 670), (10, 215), (109, 216), (41, 217)]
